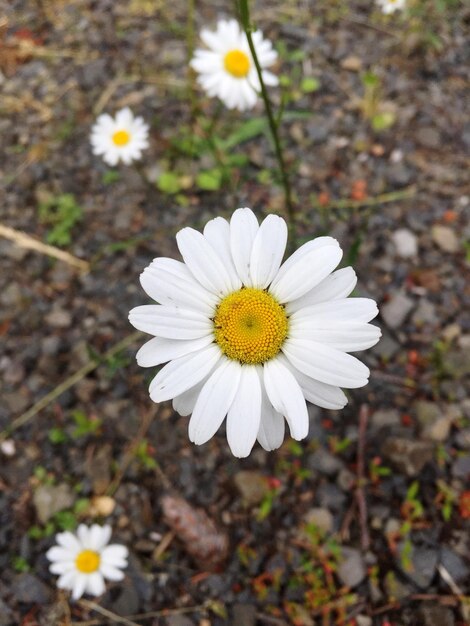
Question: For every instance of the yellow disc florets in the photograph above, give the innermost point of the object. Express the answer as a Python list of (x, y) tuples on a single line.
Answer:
[(121, 138), (87, 561), (250, 326), (237, 63)]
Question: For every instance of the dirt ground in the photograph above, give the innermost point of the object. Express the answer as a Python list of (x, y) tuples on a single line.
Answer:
[(367, 521)]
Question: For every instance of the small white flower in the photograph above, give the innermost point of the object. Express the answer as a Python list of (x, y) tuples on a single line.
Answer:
[(121, 138), (390, 6), (227, 70), (84, 560), (250, 337)]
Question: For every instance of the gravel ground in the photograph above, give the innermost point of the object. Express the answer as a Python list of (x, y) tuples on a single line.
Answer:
[(366, 522)]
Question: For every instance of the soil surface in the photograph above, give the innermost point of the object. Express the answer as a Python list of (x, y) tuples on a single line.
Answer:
[(367, 521)]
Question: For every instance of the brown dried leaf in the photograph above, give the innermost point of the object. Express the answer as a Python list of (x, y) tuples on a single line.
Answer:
[(199, 534)]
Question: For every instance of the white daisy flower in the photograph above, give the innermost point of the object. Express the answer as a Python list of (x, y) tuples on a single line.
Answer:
[(227, 70), (390, 6), (121, 138), (84, 560), (250, 337)]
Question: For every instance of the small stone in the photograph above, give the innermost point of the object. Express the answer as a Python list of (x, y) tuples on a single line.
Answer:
[(6, 615), (425, 314), (346, 480), (445, 238), (178, 620), (28, 589), (422, 567), (409, 456), (324, 462), (251, 485), (455, 565), (394, 588), (363, 620), (436, 615), (50, 499), (244, 614), (321, 518), (392, 528), (385, 417), (396, 310), (352, 569), (59, 318), (428, 137), (434, 424), (386, 348), (352, 63), (461, 467), (405, 242), (462, 439)]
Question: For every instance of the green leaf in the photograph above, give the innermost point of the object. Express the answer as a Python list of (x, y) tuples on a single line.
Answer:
[(169, 183), (110, 176), (382, 121), (57, 435), (369, 79), (248, 130), (210, 180), (310, 84)]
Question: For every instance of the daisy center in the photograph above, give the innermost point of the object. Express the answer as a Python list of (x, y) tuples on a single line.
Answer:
[(121, 137), (87, 561), (237, 63), (250, 326)]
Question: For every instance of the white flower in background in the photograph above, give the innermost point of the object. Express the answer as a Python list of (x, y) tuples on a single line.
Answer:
[(121, 138), (248, 337), (84, 560), (227, 70), (390, 6)]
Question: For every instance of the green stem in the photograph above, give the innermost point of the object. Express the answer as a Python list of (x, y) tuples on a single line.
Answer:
[(248, 28)]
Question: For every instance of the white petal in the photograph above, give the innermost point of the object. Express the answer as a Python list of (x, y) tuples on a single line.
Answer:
[(170, 321), (57, 553), (245, 413), (183, 373), (79, 586), (99, 536), (268, 249), (62, 567), (184, 403), (326, 364), (345, 336), (243, 229), (203, 261), (83, 534), (286, 396), (115, 554), (160, 350), (214, 401), (320, 394), (338, 285), (309, 265), (95, 584), (170, 282), (111, 573), (217, 233), (67, 580), (345, 310), (68, 540), (272, 423)]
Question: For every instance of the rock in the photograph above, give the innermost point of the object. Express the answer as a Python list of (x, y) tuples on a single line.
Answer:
[(436, 615), (322, 518), (462, 439), (28, 589), (386, 348), (455, 565), (251, 485), (363, 620), (352, 64), (423, 564), (178, 620), (324, 462), (122, 599), (408, 456), (6, 615), (330, 497), (394, 588), (445, 238), (456, 362), (50, 499), (396, 310), (461, 467), (346, 480), (425, 314), (352, 569), (405, 242), (434, 424), (59, 318), (428, 137), (385, 417), (244, 614)]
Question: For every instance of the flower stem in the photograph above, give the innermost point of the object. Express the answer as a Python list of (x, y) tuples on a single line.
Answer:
[(273, 125)]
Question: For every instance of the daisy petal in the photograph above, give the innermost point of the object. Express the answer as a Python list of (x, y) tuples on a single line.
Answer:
[(244, 415), (214, 401), (111, 573), (160, 350), (338, 285), (95, 584), (326, 364), (286, 396), (68, 540), (345, 310), (309, 265), (184, 403), (217, 233), (345, 336), (183, 373), (170, 322), (115, 554), (243, 229), (268, 249), (272, 423), (67, 580), (79, 586)]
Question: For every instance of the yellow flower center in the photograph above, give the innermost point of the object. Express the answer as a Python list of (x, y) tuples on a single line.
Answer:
[(237, 63), (121, 137), (250, 326), (87, 561)]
